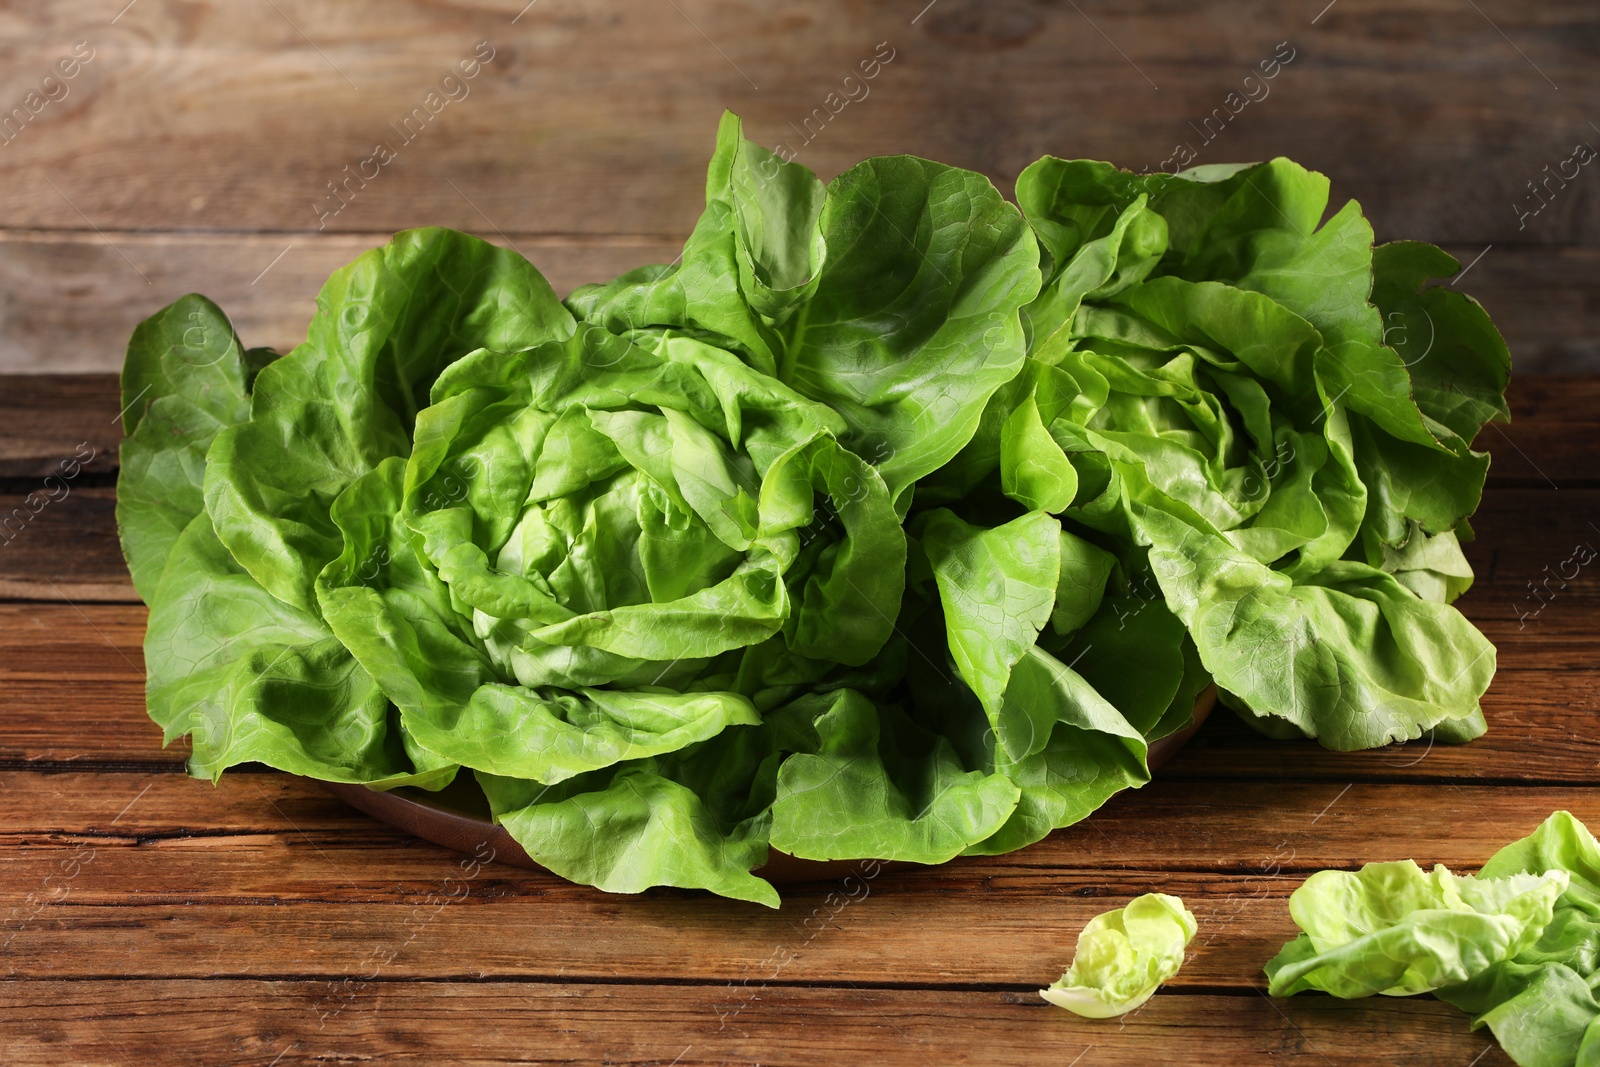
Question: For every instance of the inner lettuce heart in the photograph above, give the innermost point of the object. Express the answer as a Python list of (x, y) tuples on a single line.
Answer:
[(599, 553)]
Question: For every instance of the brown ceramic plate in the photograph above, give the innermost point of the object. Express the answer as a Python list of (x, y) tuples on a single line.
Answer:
[(457, 816)]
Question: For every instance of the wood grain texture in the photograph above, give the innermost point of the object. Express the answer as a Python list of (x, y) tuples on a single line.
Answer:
[(62, 549), (598, 118), (71, 299), (45, 418), (48, 419), (201, 139), (288, 1023), (1167, 825), (1540, 709), (266, 875), (261, 922)]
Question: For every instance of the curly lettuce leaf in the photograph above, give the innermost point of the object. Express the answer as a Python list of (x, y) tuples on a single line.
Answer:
[(185, 379), (1517, 945), (998, 590), (872, 782), (253, 679), (1123, 956), (583, 535), (1355, 660), (346, 399), (1226, 383), (1396, 929), (892, 295), (1541, 1005), (696, 818)]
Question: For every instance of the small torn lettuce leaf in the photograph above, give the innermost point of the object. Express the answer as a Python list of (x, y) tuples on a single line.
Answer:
[(1123, 956)]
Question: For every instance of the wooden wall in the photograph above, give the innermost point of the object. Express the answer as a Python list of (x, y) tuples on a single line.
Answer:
[(191, 150)]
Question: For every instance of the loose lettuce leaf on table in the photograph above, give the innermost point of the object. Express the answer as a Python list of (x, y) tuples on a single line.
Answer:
[(1396, 929), (1123, 956), (1517, 945), (1541, 1005)]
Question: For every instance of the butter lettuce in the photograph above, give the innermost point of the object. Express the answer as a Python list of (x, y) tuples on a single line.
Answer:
[(1267, 421), (1396, 929), (838, 534), (1517, 945), (1123, 956)]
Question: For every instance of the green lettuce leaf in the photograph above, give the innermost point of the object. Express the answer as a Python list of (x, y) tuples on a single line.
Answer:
[(696, 818), (1396, 929), (595, 528), (839, 533), (1123, 956), (185, 380), (1517, 945), (1216, 375), (872, 783), (892, 295), (253, 679), (346, 399)]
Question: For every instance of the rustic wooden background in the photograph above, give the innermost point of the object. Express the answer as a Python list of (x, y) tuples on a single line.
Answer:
[(188, 152), (149, 918)]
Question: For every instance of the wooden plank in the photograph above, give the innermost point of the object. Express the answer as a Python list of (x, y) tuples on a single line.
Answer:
[(62, 547), (1172, 825), (1555, 422), (263, 876), (289, 1023), (1534, 295), (1539, 718), (1540, 730), (49, 421), (45, 418), (1002, 925), (76, 299), (1422, 111), (67, 548)]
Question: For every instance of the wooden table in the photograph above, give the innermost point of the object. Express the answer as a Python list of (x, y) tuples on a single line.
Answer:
[(149, 918)]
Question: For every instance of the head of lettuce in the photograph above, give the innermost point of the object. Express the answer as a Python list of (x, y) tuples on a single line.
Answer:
[(834, 536), (623, 558)]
